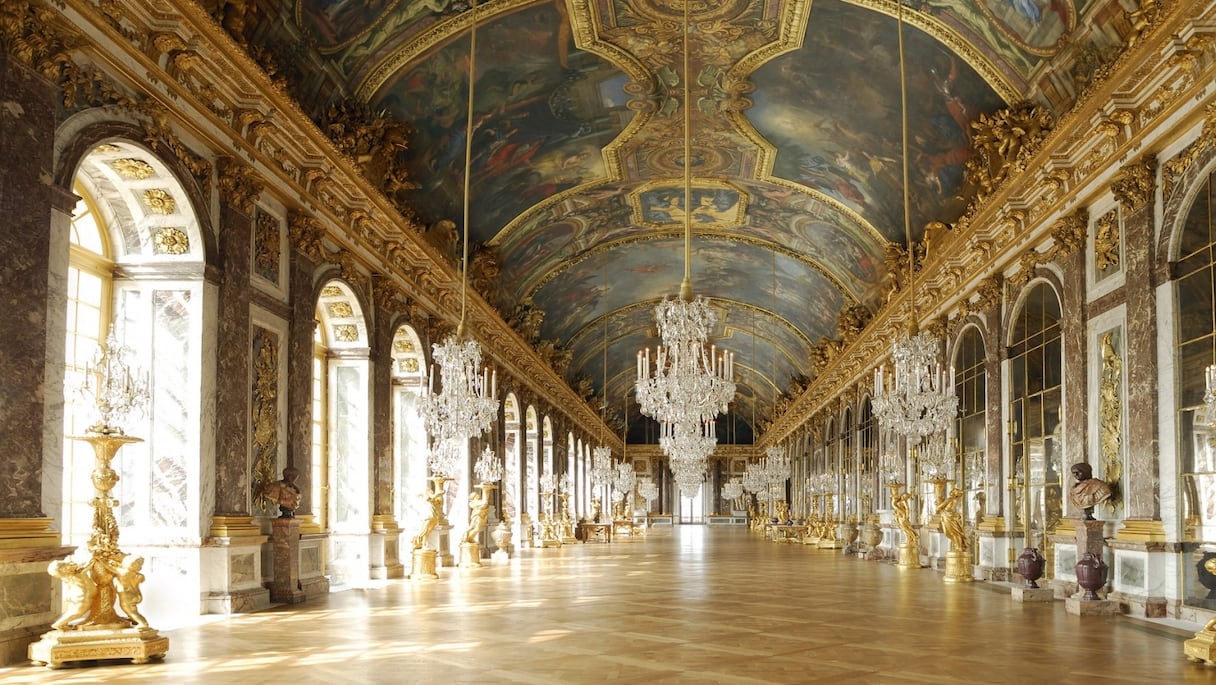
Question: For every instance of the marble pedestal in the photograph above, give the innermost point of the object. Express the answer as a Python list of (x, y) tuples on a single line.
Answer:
[(313, 581), (470, 555), (29, 598), (1022, 593), (443, 533), (285, 537), (232, 569), (1090, 540)]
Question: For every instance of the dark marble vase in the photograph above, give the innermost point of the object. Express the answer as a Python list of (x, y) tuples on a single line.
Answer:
[(1091, 575), (1030, 566)]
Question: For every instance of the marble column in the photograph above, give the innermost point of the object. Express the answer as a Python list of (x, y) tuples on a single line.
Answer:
[(31, 359), (1134, 189)]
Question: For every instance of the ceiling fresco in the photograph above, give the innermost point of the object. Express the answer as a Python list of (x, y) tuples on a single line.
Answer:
[(796, 161)]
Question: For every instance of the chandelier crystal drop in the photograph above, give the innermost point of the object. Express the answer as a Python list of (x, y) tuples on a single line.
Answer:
[(920, 399), (465, 405)]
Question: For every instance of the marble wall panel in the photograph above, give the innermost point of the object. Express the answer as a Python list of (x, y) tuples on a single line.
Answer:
[(168, 488), (242, 570), (1131, 572), (1066, 562), (24, 595)]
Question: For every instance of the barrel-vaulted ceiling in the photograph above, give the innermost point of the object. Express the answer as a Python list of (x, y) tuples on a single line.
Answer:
[(796, 163)]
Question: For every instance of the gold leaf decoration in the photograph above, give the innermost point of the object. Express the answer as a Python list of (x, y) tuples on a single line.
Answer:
[(346, 333), (340, 310), (171, 241), (133, 169), (159, 201), (331, 291)]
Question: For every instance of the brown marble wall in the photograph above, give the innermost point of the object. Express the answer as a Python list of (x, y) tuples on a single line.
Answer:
[(1139, 496), (1073, 340), (26, 133), (232, 380), (381, 410), (994, 356), (299, 374)]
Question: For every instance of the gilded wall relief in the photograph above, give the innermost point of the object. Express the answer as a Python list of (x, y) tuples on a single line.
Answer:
[(1108, 245), (267, 245)]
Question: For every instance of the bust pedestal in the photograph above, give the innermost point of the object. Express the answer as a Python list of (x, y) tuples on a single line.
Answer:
[(1090, 541), (285, 537)]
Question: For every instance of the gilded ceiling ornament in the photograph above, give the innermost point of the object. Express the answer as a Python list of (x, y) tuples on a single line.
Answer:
[(239, 184), (1141, 20), (852, 319), (990, 292), (410, 365), (1003, 141), (170, 241), (1106, 242), (373, 140), (484, 271), (403, 346), (1133, 185), (159, 201), (331, 291), (340, 310), (346, 333), (132, 169)]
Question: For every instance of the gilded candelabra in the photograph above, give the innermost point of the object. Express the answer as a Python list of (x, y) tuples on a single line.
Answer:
[(90, 626), (909, 550), (425, 556)]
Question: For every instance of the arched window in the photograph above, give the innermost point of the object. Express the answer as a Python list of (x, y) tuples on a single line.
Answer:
[(867, 467), (1195, 293), (1036, 363), (320, 433), (88, 317)]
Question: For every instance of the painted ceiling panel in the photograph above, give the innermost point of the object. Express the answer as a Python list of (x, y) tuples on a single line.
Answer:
[(794, 151)]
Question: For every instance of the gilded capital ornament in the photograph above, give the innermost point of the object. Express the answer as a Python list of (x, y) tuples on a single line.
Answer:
[(1069, 232), (1133, 186), (306, 233), (239, 184)]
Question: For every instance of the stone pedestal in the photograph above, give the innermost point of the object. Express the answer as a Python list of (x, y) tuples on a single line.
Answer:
[(1090, 537), (424, 565), (28, 598), (1090, 607), (285, 536), (443, 533), (313, 581), (232, 567), (389, 563), (1022, 593)]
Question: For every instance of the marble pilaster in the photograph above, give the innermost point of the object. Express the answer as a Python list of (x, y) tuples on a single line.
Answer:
[(381, 373), (1075, 408), (232, 363), (1134, 189), (27, 132), (302, 328)]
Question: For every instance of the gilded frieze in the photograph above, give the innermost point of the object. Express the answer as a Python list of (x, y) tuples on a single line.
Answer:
[(1107, 244), (239, 184), (267, 245), (1133, 186), (265, 413), (306, 234)]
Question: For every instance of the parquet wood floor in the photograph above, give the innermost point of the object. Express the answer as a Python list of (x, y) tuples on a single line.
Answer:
[(689, 605)]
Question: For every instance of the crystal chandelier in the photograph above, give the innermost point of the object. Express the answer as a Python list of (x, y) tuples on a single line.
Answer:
[(548, 483), (918, 402), (465, 405), (113, 384), (601, 467), (648, 491), (623, 483), (690, 383), (937, 458)]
